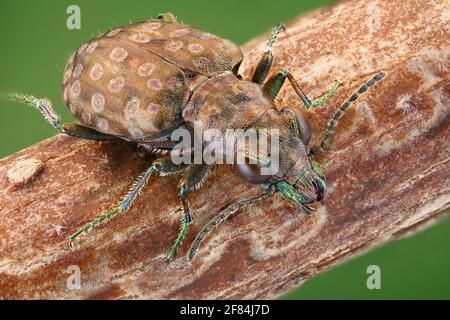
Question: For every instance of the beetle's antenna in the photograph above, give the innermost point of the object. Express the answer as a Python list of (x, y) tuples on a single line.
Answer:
[(221, 217), (339, 113)]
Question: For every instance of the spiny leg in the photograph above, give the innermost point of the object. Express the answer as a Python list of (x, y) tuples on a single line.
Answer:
[(334, 120), (222, 216), (44, 106), (273, 86), (264, 64), (161, 166), (192, 180)]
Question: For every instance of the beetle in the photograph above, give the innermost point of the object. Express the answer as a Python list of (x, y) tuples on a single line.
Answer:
[(143, 81)]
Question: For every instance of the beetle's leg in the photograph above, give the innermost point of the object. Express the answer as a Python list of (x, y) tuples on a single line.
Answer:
[(80, 131), (160, 166), (223, 216), (192, 180), (44, 106), (334, 120), (264, 64), (162, 145), (273, 86)]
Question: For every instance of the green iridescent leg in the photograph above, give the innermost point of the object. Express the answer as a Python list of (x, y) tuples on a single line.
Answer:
[(160, 166), (273, 86), (192, 180), (124, 205), (264, 64), (327, 96), (184, 228), (44, 106)]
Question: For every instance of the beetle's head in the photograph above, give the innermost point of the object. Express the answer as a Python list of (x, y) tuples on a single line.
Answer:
[(288, 165)]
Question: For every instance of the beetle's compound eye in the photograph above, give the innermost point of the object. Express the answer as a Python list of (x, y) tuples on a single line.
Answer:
[(304, 127), (252, 173)]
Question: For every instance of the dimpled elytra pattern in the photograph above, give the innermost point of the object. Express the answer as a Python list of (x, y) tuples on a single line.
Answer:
[(184, 46), (131, 81)]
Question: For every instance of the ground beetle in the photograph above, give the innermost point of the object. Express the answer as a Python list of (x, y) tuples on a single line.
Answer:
[(141, 82)]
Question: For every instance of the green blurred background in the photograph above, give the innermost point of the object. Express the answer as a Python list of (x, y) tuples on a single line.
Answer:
[(35, 45)]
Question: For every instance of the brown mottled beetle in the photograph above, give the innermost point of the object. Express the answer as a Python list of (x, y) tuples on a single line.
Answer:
[(143, 81)]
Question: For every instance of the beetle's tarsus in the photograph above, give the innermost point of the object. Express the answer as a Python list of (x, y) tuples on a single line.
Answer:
[(321, 100), (44, 106), (274, 35), (193, 178), (184, 229)]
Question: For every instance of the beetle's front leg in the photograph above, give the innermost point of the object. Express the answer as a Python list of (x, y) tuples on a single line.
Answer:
[(273, 86), (192, 180)]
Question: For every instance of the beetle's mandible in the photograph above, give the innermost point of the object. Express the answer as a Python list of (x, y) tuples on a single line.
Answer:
[(139, 83)]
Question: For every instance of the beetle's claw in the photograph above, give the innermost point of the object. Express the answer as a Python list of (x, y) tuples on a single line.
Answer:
[(320, 189)]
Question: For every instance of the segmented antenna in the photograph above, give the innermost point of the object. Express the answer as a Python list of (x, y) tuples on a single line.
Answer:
[(220, 218), (43, 105), (339, 113)]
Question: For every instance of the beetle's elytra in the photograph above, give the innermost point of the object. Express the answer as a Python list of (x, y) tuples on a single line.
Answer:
[(134, 81), (141, 82)]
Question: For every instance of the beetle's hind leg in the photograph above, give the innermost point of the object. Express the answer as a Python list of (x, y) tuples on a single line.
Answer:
[(44, 106), (273, 86), (192, 180), (160, 166)]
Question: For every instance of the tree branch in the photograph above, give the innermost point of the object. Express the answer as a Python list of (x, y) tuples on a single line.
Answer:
[(387, 170)]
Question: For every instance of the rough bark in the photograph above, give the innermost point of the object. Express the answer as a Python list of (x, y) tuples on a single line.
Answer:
[(387, 170)]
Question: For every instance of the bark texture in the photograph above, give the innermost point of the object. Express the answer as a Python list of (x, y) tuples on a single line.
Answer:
[(387, 172)]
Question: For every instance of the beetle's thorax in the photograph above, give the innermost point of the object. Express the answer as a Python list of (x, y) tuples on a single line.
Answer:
[(233, 106), (226, 102), (290, 151)]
